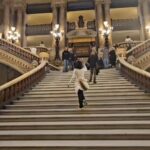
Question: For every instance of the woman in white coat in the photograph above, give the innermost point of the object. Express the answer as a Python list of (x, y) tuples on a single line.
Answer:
[(78, 75)]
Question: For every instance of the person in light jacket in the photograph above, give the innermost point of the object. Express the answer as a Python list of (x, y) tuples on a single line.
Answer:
[(78, 74)]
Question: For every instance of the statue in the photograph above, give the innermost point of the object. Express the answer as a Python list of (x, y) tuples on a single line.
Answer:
[(81, 22)]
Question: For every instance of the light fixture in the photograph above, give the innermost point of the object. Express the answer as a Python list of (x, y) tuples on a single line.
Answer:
[(107, 29), (13, 35), (57, 35)]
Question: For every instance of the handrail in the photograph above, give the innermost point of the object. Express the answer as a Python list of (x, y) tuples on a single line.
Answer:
[(52, 67), (139, 49), (18, 51), (16, 87), (125, 44), (138, 76), (14, 62)]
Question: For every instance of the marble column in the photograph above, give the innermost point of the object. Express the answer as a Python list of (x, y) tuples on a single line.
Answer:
[(141, 19), (19, 22), (24, 23), (54, 22), (12, 13), (146, 13), (108, 17), (6, 17), (99, 22), (62, 21)]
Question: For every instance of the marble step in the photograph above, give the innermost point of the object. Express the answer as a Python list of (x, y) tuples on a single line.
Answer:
[(89, 91), (72, 111), (74, 101), (76, 144), (92, 86), (100, 80), (130, 87), (72, 125), (124, 134), (90, 105), (109, 94), (75, 117), (74, 98)]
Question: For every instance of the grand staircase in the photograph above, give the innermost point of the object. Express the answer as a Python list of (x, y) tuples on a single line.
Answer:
[(47, 117)]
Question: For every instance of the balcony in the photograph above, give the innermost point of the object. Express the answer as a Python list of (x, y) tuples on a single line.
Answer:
[(38, 29), (126, 24), (74, 25)]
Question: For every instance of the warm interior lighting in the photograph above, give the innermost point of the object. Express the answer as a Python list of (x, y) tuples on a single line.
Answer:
[(13, 35), (107, 29)]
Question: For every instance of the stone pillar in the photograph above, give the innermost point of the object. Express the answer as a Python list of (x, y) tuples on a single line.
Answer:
[(107, 17), (63, 18), (19, 22), (146, 13), (12, 13), (99, 22), (141, 19), (6, 17), (54, 22), (24, 37)]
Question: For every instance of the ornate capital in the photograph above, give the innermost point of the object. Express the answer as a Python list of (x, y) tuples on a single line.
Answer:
[(99, 2), (107, 1), (58, 3)]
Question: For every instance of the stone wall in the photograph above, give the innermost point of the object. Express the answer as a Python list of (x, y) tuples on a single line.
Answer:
[(7, 74)]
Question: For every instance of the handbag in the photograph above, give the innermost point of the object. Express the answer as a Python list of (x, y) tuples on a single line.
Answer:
[(84, 84)]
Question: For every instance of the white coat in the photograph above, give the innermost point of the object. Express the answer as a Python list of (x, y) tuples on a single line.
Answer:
[(78, 74)]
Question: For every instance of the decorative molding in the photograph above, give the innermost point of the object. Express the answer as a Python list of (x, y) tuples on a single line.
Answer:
[(99, 2), (81, 32), (14, 62)]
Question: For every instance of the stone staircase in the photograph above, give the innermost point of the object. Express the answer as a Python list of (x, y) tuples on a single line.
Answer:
[(48, 118)]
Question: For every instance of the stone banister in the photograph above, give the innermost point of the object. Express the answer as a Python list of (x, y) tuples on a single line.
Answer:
[(15, 62), (126, 44), (18, 51), (140, 49), (16, 87), (136, 75)]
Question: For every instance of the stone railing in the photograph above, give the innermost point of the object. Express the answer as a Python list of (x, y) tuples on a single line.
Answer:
[(124, 46), (143, 61), (136, 75), (15, 62), (128, 44), (87, 24), (18, 51), (140, 49), (16, 87), (38, 29), (126, 24), (37, 49)]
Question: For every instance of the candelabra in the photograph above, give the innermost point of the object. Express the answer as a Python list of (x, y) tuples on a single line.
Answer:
[(13, 35), (57, 35)]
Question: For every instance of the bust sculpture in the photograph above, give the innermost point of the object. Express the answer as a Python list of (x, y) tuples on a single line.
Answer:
[(80, 22)]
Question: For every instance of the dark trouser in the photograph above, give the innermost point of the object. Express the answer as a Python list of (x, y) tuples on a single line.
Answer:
[(81, 98), (93, 72)]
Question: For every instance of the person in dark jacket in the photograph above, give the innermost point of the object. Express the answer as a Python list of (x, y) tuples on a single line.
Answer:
[(65, 58), (92, 60), (112, 57), (71, 59)]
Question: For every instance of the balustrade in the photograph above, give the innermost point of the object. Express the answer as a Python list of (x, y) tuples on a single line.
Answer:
[(38, 29), (136, 75), (18, 51), (89, 25), (139, 50), (16, 87)]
